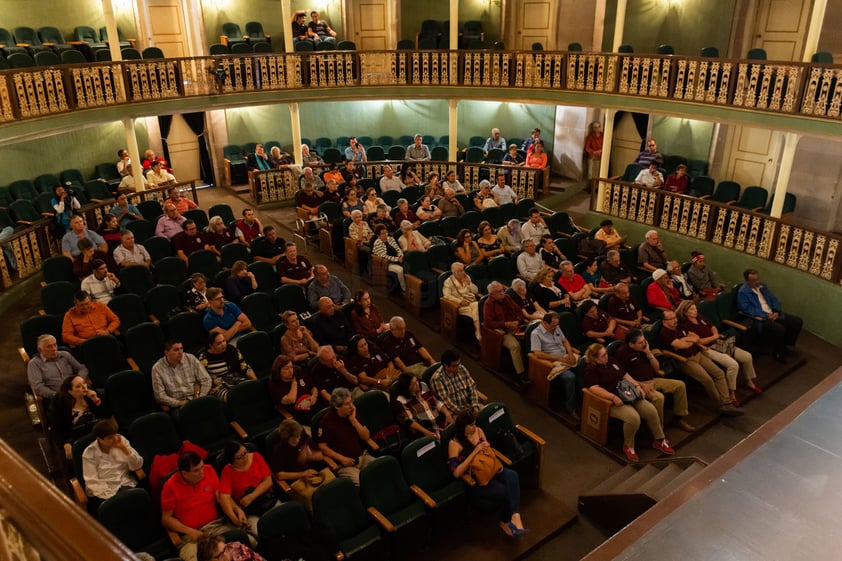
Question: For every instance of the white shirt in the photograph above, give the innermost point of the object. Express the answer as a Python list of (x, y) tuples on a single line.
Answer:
[(529, 265), (156, 179), (764, 305), (534, 232), (393, 184), (136, 255), (128, 182), (504, 194), (649, 179), (99, 290), (104, 474)]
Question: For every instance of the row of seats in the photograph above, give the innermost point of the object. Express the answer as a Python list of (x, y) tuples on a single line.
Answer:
[(26, 39), (73, 56), (713, 52)]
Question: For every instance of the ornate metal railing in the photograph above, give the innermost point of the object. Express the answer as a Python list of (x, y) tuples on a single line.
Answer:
[(752, 233), (778, 87), (280, 185)]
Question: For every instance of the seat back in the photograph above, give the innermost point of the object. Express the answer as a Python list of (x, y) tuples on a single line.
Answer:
[(23, 189), (129, 308), (374, 411), (86, 34), (258, 351), (154, 434), (34, 327), (58, 268), (129, 53), (133, 519), (232, 31), (376, 154), (254, 29), (338, 510), (250, 405), (291, 297), (51, 35), (203, 261), (219, 49), (701, 186), (710, 52), (241, 48), (150, 210), (726, 192), (753, 197), (136, 279), (142, 230), (57, 297), (188, 327), (129, 396), (203, 422), (26, 35), (223, 211), (198, 216), (382, 486), (259, 309), (158, 247), (152, 53), (47, 58), (103, 356), (424, 463), (161, 301)]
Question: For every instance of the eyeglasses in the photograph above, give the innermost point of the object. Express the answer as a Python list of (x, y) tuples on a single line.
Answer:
[(242, 455)]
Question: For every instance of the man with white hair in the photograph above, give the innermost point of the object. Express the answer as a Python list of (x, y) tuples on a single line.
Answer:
[(459, 288), (502, 313), (650, 253), (407, 352), (329, 373), (495, 141), (529, 262), (389, 181), (341, 436), (310, 180), (510, 236), (49, 367), (449, 204), (418, 152)]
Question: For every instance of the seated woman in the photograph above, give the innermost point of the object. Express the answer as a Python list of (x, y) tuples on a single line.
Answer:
[(110, 231), (550, 253), (247, 482), (741, 361), (385, 247), (529, 308), (453, 183), (332, 194), (291, 390), (382, 217), (594, 278), (294, 457), (218, 234), (404, 212), (677, 181), (196, 299), (417, 409), (372, 367), (467, 250), (602, 373), (597, 324), (537, 158), (225, 364), (411, 239), (679, 280), (279, 159), (240, 283), (351, 203), (513, 157), (434, 189), (459, 288), (76, 409), (467, 451), (427, 210), (297, 342), (371, 201), (361, 233), (366, 318), (548, 295), (485, 198), (488, 242), (408, 175)]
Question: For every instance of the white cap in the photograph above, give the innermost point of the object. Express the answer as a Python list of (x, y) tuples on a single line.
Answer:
[(658, 274)]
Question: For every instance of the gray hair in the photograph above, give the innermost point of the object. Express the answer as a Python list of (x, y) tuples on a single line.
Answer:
[(611, 253), (356, 212), (44, 339), (338, 397), (517, 283), (514, 221), (401, 201), (565, 263), (381, 206), (651, 233), (484, 183), (417, 136), (322, 350), (455, 266), (493, 285), (213, 222), (406, 225), (396, 321)]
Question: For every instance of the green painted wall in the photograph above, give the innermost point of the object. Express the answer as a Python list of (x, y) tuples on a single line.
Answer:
[(513, 120), (821, 310), (64, 16), (81, 149), (489, 13), (684, 137)]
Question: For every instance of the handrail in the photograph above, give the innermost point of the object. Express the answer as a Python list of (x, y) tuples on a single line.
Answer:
[(813, 251), (780, 87)]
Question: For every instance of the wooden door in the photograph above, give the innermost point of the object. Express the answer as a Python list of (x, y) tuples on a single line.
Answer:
[(184, 150), (625, 146), (370, 24), (752, 156), (166, 28), (534, 21), (780, 27)]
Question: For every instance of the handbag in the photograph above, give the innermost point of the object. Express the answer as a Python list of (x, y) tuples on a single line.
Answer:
[(261, 504), (388, 439), (725, 345), (484, 467), (628, 392), (303, 488)]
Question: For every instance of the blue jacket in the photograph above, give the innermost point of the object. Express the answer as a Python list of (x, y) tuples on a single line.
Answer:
[(749, 304)]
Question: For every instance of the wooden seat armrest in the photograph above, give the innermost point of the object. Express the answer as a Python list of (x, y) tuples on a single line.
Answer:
[(339, 556), (437, 270), (24, 356), (48, 214), (701, 347), (502, 457), (285, 488), (132, 364), (97, 201), (25, 222), (673, 355), (734, 324), (482, 397), (48, 44), (77, 42), (372, 445), (24, 45), (154, 318), (660, 372), (78, 493), (223, 39), (382, 520), (174, 538), (238, 428), (425, 498), (531, 435), (283, 411)]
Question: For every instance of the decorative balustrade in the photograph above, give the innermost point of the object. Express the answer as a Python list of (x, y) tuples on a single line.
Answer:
[(748, 232), (778, 87), (280, 185)]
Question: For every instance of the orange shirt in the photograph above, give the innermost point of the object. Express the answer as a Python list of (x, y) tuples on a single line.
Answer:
[(78, 328), (534, 160)]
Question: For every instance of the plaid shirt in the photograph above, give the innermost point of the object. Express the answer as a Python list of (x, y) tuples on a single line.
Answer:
[(423, 408), (457, 392)]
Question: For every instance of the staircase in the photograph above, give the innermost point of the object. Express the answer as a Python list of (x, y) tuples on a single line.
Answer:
[(634, 489)]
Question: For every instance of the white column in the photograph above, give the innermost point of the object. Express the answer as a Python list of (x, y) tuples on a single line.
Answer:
[(454, 25), (134, 154), (790, 144), (605, 163), (111, 30), (814, 29), (451, 131), (619, 26), (295, 123), (286, 20)]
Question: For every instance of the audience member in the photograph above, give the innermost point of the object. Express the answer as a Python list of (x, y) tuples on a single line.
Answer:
[(128, 181), (574, 284), (386, 248), (489, 244), (411, 239), (650, 253), (650, 177), (329, 286), (389, 182), (109, 229), (225, 365), (360, 232), (308, 199), (149, 157), (310, 181), (702, 277), (321, 28), (352, 201), (453, 384), (650, 155), (372, 201), (417, 409), (529, 262), (259, 160), (224, 317), (382, 218), (300, 31), (125, 211), (328, 373), (550, 253), (373, 368), (279, 159), (101, 283), (607, 234), (355, 152), (679, 281), (178, 377), (548, 294), (452, 182), (341, 436), (529, 308), (123, 162), (407, 352), (547, 342), (418, 152), (295, 457), (598, 325), (408, 176), (513, 157), (75, 411), (169, 224), (211, 548), (503, 192), (510, 236), (677, 181), (769, 322), (83, 263), (108, 464), (593, 150), (248, 227), (614, 270), (292, 392), (330, 326), (427, 211), (485, 197), (494, 142), (64, 203), (403, 212), (294, 268), (182, 204), (594, 278), (534, 228), (366, 318), (158, 176), (661, 293), (218, 235), (500, 312), (459, 289), (87, 319), (189, 241), (467, 250), (268, 248), (297, 341), (78, 231), (129, 253), (240, 283), (197, 299), (49, 367), (624, 309), (246, 482), (536, 157), (449, 205), (530, 142)]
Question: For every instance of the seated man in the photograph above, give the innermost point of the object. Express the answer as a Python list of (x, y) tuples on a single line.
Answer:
[(404, 212), (573, 283), (529, 262), (650, 177), (624, 309), (294, 268), (684, 343), (182, 204), (149, 157), (321, 28), (224, 317), (131, 253), (107, 464), (259, 160), (510, 236), (449, 204), (418, 152), (169, 225), (547, 342), (128, 182), (158, 176), (650, 155), (504, 193), (453, 384), (661, 293), (389, 181), (310, 182), (101, 283), (49, 367), (190, 240), (178, 377), (341, 436), (534, 228), (125, 211), (502, 313), (613, 269), (328, 373), (327, 285), (701, 277), (495, 141), (769, 321), (405, 349), (609, 235), (308, 157), (190, 501), (355, 152), (123, 162), (78, 231), (268, 247), (248, 227), (382, 218), (87, 319), (650, 253), (635, 356), (330, 326)]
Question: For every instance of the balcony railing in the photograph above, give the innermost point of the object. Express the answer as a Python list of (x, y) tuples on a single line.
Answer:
[(792, 88), (748, 232)]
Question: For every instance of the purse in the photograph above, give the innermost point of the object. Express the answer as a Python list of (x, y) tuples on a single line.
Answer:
[(484, 467), (260, 505), (725, 345), (628, 392), (388, 439), (303, 488)]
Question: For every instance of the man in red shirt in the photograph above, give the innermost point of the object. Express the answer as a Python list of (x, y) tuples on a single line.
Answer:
[(189, 505), (182, 204), (574, 284), (502, 313), (248, 227), (341, 436), (662, 293)]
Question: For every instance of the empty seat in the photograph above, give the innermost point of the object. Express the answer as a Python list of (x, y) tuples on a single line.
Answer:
[(152, 52), (121, 39)]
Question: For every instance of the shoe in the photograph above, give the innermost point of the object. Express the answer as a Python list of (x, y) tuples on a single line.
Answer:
[(730, 411), (575, 415), (524, 380), (510, 530), (735, 402), (630, 453), (756, 389), (663, 446), (478, 335), (685, 426), (520, 531)]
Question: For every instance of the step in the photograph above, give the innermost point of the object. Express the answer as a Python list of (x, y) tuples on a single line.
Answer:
[(613, 481), (637, 480), (691, 471), (664, 477)]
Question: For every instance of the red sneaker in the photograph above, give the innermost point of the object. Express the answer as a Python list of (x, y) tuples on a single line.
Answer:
[(630, 453), (663, 446)]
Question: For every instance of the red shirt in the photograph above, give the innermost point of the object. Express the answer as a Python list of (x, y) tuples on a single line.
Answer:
[(496, 312), (235, 482), (658, 297), (192, 505), (183, 204), (572, 285)]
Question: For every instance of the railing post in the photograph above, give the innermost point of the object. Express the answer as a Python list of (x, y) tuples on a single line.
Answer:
[(605, 162), (134, 154), (790, 144), (452, 128)]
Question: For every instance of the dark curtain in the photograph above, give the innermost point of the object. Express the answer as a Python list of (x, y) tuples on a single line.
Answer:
[(196, 122), (641, 123), (165, 124)]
